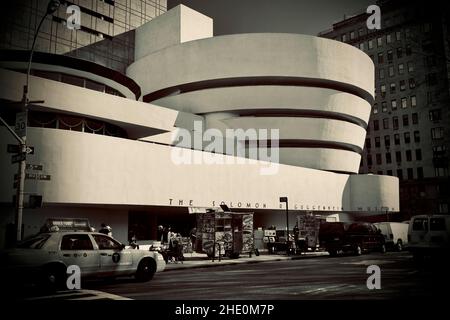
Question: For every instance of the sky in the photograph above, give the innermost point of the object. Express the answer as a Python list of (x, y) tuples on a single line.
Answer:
[(291, 16)]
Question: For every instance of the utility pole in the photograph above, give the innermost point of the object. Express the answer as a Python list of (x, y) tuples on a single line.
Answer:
[(20, 132)]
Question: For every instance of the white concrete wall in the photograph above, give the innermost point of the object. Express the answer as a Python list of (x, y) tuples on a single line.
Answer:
[(317, 129), (83, 74), (252, 55), (265, 98), (93, 169), (138, 118), (178, 25)]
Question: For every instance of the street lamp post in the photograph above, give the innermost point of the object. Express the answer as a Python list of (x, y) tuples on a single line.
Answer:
[(285, 200), (52, 6)]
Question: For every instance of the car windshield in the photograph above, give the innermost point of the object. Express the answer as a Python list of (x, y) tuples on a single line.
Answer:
[(420, 224), (35, 242), (437, 224)]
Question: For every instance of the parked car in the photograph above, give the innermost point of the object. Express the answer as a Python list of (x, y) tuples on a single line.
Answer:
[(429, 235), (395, 234), (359, 237), (45, 257)]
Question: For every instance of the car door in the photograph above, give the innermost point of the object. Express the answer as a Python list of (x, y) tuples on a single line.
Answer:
[(78, 249), (113, 259)]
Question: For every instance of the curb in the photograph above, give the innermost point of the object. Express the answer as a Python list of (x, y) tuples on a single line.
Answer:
[(228, 263)]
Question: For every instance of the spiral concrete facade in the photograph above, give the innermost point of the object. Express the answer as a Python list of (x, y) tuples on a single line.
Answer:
[(316, 92)]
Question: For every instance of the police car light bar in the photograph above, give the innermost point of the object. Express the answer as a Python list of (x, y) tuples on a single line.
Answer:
[(67, 224)]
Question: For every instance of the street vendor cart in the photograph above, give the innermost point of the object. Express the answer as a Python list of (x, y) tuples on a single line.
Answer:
[(224, 234)]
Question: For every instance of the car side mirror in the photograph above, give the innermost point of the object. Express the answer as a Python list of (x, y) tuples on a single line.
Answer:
[(122, 246)]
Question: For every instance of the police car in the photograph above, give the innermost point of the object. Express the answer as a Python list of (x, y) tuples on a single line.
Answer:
[(65, 242)]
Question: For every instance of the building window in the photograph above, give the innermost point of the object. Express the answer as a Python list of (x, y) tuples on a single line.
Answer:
[(379, 41), (430, 61), (392, 87), (394, 104), (387, 141), (380, 172), (380, 57), (441, 172), (404, 104), (431, 79), (361, 32), (383, 90), (388, 38), (371, 44), (388, 157), (415, 118), (369, 160), (416, 136), (395, 123), (407, 137), (398, 156), (410, 66), (399, 53), (418, 154), (361, 46), (381, 73), (375, 108), (391, 71), (377, 142), (385, 123), (439, 151), (437, 133), (368, 143), (420, 173), (401, 68), (344, 37), (400, 174), (410, 174), (396, 139), (390, 56), (376, 125), (402, 85), (378, 158), (398, 35), (443, 207), (430, 98), (389, 173), (384, 106), (412, 83), (352, 35), (405, 119), (435, 115), (413, 101), (408, 155), (408, 50)]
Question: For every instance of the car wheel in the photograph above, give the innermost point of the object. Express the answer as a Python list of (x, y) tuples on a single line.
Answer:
[(146, 270), (54, 278), (399, 245), (358, 250), (333, 253), (383, 248)]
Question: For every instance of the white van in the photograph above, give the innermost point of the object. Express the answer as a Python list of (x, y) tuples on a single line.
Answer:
[(429, 235), (395, 234)]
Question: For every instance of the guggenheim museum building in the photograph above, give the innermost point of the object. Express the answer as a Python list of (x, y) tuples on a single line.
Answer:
[(148, 145)]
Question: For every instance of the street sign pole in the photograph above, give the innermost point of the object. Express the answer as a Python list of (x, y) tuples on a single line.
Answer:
[(20, 194)]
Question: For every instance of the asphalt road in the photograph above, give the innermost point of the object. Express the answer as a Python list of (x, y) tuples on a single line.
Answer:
[(306, 278)]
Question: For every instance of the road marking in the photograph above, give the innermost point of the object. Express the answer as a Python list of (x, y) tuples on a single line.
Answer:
[(81, 295), (369, 262)]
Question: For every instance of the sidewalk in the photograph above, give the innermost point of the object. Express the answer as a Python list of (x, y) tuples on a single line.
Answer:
[(197, 260)]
